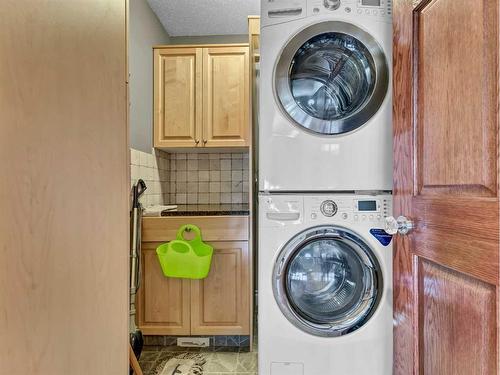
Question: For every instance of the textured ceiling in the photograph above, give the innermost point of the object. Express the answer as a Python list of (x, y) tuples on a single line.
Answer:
[(204, 17)]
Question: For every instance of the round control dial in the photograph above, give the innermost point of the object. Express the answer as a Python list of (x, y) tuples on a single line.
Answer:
[(328, 208), (331, 4)]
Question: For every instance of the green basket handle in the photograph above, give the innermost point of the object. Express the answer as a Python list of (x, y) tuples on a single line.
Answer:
[(188, 228)]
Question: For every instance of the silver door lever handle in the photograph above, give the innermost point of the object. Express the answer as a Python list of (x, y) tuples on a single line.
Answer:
[(402, 225)]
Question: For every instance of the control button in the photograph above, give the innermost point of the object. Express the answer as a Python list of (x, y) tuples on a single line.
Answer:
[(363, 217), (379, 217), (371, 217), (328, 208), (313, 216), (375, 12), (382, 12), (360, 11), (344, 216), (367, 11), (348, 10), (315, 10), (355, 217), (331, 4)]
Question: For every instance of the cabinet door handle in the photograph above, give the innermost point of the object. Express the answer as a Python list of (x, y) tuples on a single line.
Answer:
[(197, 141), (205, 141)]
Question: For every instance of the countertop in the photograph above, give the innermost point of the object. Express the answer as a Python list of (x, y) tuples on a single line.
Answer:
[(208, 210)]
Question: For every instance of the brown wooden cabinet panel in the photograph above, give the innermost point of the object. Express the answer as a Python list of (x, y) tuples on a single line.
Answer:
[(201, 96), (177, 99), (220, 303), (163, 306), (226, 96)]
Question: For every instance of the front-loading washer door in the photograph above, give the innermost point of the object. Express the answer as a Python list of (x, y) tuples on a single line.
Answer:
[(331, 78), (327, 281)]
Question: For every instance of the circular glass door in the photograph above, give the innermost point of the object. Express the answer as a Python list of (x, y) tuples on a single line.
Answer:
[(331, 78), (327, 281)]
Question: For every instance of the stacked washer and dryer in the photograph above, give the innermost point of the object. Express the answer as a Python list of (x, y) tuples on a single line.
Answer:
[(325, 181)]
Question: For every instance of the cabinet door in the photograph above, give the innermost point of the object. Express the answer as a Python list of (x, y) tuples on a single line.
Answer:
[(178, 97), (226, 97), (163, 307), (220, 304)]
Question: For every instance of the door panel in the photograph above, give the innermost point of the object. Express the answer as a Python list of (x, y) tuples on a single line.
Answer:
[(460, 233), (455, 97), (178, 100), (226, 96), (445, 180), (164, 306), (220, 303), (439, 291)]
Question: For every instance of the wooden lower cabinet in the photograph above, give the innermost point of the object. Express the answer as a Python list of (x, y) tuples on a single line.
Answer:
[(220, 303), (164, 304), (217, 305)]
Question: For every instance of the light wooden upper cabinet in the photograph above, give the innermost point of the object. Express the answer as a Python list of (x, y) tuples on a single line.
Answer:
[(201, 96), (225, 96), (178, 97)]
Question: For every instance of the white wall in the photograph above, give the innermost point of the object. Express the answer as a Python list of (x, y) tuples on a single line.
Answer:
[(145, 31)]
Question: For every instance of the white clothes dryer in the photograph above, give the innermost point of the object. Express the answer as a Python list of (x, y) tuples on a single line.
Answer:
[(325, 118)]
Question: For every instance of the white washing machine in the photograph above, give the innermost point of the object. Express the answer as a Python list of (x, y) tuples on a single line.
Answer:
[(326, 98), (325, 285)]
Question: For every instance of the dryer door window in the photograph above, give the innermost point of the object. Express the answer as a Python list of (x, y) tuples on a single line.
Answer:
[(327, 281), (331, 78)]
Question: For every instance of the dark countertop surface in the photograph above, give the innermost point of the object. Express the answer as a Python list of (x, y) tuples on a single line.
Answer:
[(208, 210)]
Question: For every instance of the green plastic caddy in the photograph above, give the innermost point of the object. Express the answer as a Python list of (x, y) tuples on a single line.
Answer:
[(187, 259)]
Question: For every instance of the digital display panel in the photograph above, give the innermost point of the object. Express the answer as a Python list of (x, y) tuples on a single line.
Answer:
[(367, 205), (371, 3)]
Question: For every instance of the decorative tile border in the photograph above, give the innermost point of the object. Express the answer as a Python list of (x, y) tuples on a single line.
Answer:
[(232, 343)]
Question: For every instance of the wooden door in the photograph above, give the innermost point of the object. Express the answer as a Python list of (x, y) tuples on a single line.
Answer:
[(177, 97), (163, 307), (446, 180), (64, 190), (220, 304), (226, 101)]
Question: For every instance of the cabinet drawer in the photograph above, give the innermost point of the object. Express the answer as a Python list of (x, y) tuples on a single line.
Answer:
[(213, 228)]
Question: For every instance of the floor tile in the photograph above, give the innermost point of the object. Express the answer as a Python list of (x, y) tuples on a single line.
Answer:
[(218, 363)]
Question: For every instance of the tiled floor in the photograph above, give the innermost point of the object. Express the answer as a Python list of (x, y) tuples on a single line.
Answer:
[(222, 363)]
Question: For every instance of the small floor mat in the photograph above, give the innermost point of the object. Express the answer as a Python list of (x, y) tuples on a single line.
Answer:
[(182, 364)]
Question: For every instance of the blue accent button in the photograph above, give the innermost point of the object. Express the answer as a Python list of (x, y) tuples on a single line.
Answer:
[(382, 236)]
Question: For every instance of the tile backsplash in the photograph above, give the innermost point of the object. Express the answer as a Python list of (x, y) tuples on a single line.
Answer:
[(154, 170), (192, 178), (197, 178)]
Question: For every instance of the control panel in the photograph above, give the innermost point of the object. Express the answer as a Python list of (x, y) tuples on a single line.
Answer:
[(321, 209), (377, 9), (374, 7), (349, 209)]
